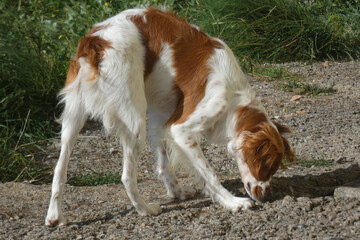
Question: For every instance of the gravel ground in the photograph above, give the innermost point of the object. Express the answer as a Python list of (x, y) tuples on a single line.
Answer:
[(326, 128)]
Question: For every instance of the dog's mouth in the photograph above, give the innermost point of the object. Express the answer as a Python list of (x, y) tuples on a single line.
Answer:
[(258, 193)]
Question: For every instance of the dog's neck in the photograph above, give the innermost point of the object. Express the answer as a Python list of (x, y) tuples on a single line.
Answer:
[(225, 128)]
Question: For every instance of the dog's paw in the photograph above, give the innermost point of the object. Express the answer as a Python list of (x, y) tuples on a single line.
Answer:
[(181, 193), (186, 193), (238, 203), (53, 221), (150, 209)]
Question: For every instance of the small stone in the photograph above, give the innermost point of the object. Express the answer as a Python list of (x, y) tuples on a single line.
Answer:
[(289, 115), (295, 98), (113, 150), (300, 112), (349, 190)]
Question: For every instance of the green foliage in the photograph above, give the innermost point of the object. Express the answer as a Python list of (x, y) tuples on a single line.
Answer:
[(288, 81), (286, 30), (314, 162), (305, 88), (95, 178), (37, 39), (274, 73)]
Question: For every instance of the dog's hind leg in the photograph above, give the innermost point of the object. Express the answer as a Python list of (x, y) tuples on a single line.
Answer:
[(164, 168), (73, 119), (133, 143)]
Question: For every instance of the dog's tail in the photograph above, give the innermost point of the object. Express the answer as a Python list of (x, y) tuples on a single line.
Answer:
[(91, 49), (84, 67)]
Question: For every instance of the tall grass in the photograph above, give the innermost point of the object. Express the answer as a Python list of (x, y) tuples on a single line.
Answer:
[(287, 30), (38, 37)]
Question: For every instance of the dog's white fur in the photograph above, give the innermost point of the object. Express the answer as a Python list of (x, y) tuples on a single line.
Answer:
[(121, 99)]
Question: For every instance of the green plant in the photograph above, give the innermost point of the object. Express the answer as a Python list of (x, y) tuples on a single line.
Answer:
[(314, 162), (274, 73), (287, 30), (305, 88), (95, 178)]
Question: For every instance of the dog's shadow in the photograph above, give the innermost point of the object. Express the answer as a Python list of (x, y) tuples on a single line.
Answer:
[(308, 185)]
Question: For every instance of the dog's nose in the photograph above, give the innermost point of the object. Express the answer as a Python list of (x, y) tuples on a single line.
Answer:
[(260, 195)]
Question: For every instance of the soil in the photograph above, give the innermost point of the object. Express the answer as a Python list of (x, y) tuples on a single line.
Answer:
[(326, 134)]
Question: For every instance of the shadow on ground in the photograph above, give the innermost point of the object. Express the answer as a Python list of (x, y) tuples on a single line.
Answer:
[(306, 185)]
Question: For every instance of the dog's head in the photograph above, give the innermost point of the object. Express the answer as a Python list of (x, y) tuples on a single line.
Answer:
[(259, 149)]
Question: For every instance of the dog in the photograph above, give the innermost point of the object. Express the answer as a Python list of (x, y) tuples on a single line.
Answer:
[(148, 63)]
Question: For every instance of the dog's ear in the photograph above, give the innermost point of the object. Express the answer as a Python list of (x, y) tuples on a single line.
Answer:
[(283, 129), (289, 154)]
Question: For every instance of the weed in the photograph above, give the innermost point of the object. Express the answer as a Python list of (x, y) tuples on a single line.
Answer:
[(287, 30), (274, 73), (288, 81), (95, 178), (305, 88), (314, 162)]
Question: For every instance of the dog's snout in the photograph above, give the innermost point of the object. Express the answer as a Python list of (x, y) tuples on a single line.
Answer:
[(260, 194)]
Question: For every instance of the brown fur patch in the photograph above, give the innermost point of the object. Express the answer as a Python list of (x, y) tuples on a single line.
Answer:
[(92, 48), (257, 192), (248, 119), (96, 29), (289, 154), (263, 151), (192, 49), (72, 72)]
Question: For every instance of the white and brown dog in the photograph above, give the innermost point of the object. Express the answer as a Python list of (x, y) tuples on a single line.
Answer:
[(190, 84)]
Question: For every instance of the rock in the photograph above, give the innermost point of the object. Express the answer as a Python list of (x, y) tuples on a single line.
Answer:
[(300, 112), (295, 98), (349, 190)]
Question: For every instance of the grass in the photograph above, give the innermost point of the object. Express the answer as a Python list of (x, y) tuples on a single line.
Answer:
[(288, 81), (287, 30), (304, 88), (308, 163), (274, 73), (38, 37), (96, 178), (314, 162)]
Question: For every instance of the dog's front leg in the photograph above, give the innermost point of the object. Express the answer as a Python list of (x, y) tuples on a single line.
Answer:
[(212, 185)]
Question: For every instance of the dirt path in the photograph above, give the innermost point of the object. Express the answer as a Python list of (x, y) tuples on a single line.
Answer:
[(327, 133)]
